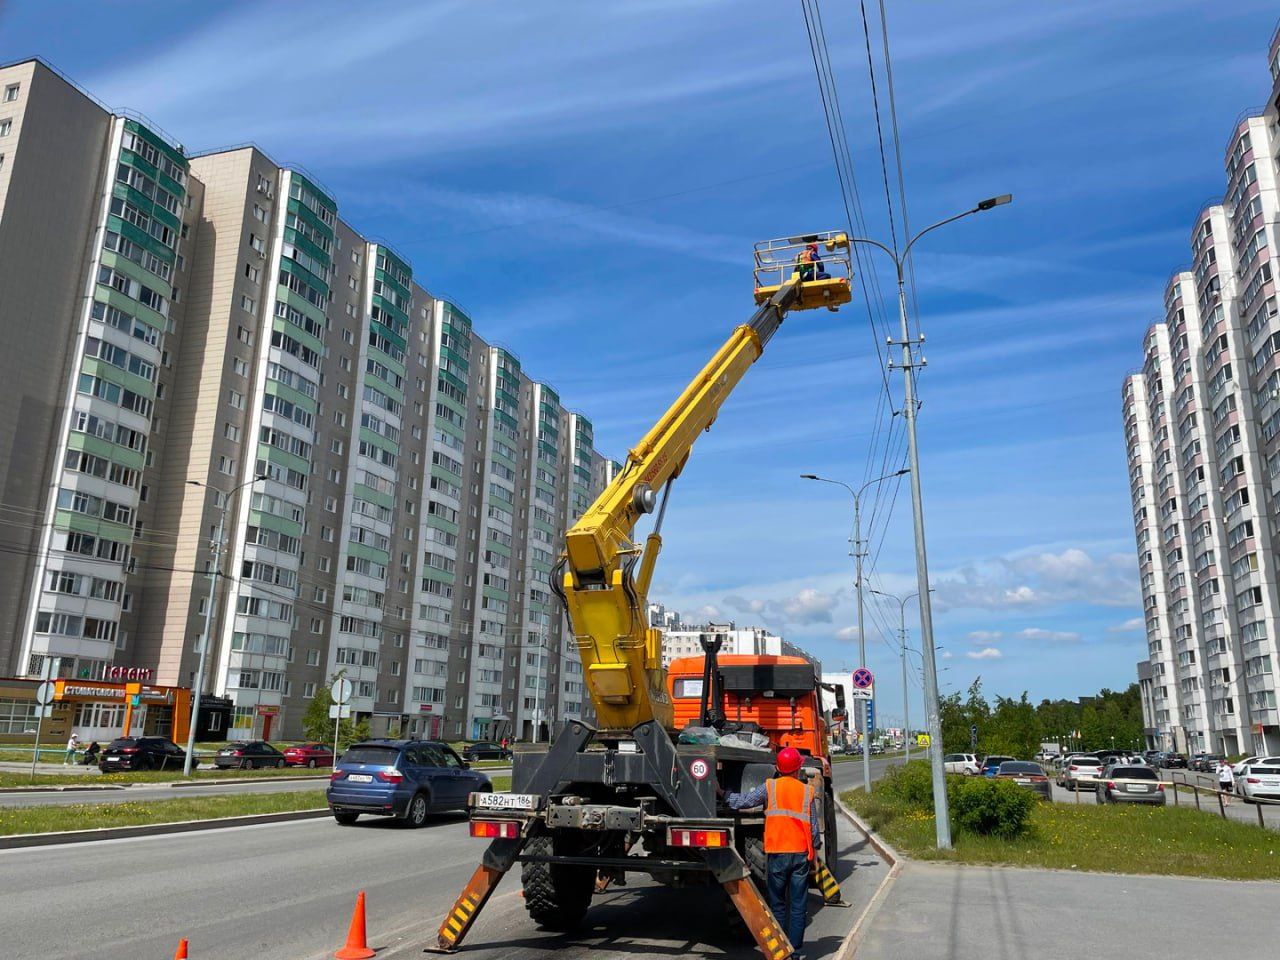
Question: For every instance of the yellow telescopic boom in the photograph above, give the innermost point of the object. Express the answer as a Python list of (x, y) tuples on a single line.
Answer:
[(605, 595)]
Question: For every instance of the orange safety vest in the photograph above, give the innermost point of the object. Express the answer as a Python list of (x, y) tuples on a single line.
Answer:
[(786, 816)]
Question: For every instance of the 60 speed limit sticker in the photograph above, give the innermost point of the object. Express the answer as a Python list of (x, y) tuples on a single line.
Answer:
[(699, 769)]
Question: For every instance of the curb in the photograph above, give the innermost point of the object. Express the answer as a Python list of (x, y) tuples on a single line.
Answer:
[(64, 788), (231, 781), (849, 946), (19, 841)]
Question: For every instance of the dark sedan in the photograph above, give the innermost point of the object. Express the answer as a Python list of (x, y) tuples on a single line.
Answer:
[(1025, 774), (1173, 761), (484, 750), (248, 755), (143, 753)]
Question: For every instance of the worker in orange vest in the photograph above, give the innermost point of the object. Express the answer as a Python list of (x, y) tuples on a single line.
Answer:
[(791, 839)]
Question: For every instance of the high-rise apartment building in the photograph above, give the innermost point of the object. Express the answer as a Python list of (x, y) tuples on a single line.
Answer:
[(1202, 428), (202, 344)]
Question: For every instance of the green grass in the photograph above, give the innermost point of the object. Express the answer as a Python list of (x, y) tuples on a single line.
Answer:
[(1088, 837), (87, 816), (14, 779)]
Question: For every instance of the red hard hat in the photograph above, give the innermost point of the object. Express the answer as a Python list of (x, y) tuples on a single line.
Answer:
[(789, 760)]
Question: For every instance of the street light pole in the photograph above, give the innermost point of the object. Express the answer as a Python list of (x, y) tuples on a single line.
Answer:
[(862, 640), (214, 572), (902, 648), (941, 813)]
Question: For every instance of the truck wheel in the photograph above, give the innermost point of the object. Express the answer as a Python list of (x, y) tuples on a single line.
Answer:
[(556, 896), (757, 862), (830, 839)]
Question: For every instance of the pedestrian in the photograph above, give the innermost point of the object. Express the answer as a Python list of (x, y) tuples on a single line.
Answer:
[(791, 840), (1226, 781), (72, 744)]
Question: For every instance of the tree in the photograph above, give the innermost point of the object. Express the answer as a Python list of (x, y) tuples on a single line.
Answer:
[(317, 725)]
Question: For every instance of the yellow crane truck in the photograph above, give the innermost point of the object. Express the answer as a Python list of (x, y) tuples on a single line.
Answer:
[(579, 808)]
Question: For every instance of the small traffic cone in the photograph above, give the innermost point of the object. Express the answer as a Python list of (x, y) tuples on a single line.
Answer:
[(357, 947), (181, 952)]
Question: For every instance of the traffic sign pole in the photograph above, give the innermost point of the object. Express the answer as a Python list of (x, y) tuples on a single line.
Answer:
[(44, 697), (341, 692)]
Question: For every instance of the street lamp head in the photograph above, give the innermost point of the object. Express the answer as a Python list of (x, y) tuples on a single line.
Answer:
[(809, 476), (903, 472), (262, 476), (194, 483), (999, 201)]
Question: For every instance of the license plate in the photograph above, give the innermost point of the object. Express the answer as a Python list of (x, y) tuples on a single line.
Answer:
[(110, 759), (360, 778), (1137, 788), (1021, 780), (506, 801)]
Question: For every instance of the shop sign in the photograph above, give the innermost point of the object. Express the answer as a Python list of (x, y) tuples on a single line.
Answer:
[(129, 673), (267, 710)]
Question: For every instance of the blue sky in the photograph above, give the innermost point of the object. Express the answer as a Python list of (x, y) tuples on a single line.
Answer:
[(587, 180)]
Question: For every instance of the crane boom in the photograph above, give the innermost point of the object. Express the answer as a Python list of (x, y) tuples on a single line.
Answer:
[(606, 602), (605, 595)]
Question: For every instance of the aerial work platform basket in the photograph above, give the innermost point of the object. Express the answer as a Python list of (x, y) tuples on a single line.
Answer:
[(820, 261)]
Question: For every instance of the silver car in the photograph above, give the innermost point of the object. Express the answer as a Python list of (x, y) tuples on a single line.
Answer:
[(1130, 784), (1079, 770)]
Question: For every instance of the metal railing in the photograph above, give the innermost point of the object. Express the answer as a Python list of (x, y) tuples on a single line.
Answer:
[(1197, 789)]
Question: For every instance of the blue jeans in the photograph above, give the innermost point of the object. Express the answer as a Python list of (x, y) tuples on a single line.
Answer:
[(789, 892)]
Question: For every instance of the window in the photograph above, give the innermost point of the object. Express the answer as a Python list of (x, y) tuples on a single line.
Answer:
[(248, 304), (252, 272), (11, 92), (5, 127)]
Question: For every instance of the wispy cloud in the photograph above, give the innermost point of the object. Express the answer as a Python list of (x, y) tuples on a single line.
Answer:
[(986, 653)]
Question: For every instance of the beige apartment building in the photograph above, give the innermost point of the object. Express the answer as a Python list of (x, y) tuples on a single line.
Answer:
[(219, 350)]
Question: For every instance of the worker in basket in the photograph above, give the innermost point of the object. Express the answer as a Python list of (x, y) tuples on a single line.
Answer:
[(791, 839), (809, 264)]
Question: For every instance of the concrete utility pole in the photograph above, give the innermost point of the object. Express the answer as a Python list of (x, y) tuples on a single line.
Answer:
[(215, 571), (858, 554), (909, 409)]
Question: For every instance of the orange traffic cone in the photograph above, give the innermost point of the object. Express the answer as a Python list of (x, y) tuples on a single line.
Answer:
[(181, 952), (357, 947)]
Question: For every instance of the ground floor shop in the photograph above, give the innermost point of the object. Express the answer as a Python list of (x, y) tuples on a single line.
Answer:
[(102, 710)]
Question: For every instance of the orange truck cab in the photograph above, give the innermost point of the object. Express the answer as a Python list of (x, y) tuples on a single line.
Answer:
[(778, 696)]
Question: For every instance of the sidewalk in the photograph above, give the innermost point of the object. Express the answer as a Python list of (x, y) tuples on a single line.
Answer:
[(945, 912), (8, 766)]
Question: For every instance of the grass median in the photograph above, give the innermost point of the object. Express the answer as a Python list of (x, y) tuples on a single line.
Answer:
[(1088, 837), (90, 816), (14, 779)]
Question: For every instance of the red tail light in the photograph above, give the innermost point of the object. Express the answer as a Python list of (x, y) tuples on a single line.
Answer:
[(698, 838), (238, 753), (495, 829), (1111, 785), (337, 775), (1073, 767), (390, 776), (1160, 787), (1252, 780), (128, 749)]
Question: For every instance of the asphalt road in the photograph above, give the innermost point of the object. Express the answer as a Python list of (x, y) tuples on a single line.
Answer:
[(160, 791), (285, 892)]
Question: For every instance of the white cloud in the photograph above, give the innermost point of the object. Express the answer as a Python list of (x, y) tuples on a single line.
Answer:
[(982, 638), (986, 653), (707, 612), (1132, 625), (1038, 635), (1040, 579), (808, 605), (945, 655), (848, 634)]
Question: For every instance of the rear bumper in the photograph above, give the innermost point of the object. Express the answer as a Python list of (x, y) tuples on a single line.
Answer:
[(385, 804)]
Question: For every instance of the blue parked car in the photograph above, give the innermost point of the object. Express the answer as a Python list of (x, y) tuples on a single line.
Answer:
[(992, 763), (406, 779)]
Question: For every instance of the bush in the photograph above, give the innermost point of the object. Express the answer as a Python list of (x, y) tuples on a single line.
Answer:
[(909, 786), (989, 807)]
